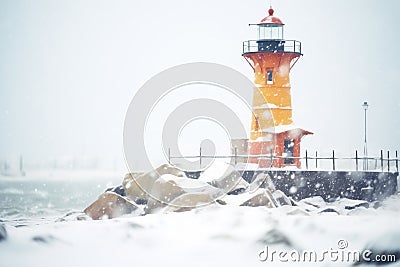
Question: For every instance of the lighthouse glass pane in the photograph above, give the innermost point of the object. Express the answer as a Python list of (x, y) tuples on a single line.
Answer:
[(270, 32)]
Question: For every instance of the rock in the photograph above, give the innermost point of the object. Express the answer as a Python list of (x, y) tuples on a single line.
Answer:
[(290, 210), (118, 190), (317, 201), (328, 209), (225, 177), (130, 177), (3, 233), (262, 180), (350, 204), (237, 191), (261, 197), (240, 187), (110, 205), (304, 205), (137, 186), (362, 211), (74, 216), (168, 187), (189, 201), (281, 199)]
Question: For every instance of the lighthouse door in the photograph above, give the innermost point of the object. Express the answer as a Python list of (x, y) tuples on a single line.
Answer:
[(288, 150)]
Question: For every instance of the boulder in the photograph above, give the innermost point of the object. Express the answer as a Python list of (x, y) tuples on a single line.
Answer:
[(316, 201), (168, 187), (117, 189), (262, 180), (225, 177), (350, 204), (292, 210), (328, 209), (240, 187), (137, 186), (110, 205), (281, 199), (189, 201), (262, 197)]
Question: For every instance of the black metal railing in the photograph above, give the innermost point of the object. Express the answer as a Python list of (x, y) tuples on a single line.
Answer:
[(380, 163), (271, 46)]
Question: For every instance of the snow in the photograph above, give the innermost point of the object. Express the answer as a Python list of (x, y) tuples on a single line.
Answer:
[(216, 235), (183, 182), (269, 105), (215, 170), (281, 128), (230, 234)]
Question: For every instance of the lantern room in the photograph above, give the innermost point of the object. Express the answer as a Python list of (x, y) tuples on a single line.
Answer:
[(270, 28)]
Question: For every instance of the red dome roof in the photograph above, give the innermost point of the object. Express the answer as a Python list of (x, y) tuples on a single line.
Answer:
[(271, 19)]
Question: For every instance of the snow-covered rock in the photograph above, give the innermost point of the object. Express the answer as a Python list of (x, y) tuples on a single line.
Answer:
[(292, 210), (262, 180), (329, 209), (139, 185), (317, 201), (189, 201), (262, 197), (110, 205), (168, 187), (224, 176), (74, 216), (350, 204), (280, 198)]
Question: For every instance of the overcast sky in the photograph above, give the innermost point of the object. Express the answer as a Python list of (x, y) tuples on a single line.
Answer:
[(69, 69)]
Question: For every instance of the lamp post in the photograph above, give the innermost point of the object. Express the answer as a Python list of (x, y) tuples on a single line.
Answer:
[(365, 164)]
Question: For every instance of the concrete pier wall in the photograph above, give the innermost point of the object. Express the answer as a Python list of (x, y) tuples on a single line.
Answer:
[(369, 186)]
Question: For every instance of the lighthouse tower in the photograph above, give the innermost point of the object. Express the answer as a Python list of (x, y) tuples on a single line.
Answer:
[(272, 128)]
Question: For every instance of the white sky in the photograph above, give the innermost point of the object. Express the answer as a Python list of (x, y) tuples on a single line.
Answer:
[(68, 69)]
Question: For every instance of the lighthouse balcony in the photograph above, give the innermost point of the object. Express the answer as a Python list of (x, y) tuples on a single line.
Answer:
[(271, 46)]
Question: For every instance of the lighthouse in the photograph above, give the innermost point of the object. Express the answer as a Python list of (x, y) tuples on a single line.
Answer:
[(273, 131)]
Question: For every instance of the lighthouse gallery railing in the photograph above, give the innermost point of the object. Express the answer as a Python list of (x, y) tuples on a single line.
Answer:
[(287, 46)]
